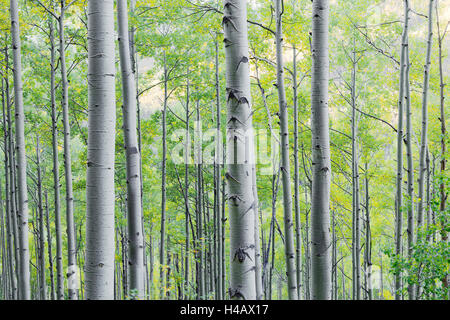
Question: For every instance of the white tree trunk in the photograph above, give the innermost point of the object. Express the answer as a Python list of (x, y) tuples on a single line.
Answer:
[(24, 274), (399, 181), (285, 161), (423, 139), (135, 236), (71, 239), (99, 266), (320, 195), (239, 152)]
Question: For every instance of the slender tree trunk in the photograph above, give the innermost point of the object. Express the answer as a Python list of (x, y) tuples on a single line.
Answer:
[(258, 275), (24, 275), (356, 202), (307, 250), (399, 181), (223, 219), (423, 145), (334, 258), (320, 201), (135, 236), (15, 277), (4, 281), (410, 181), (9, 196), (240, 157), (368, 250), (56, 183), (71, 238), (41, 255), (49, 249), (187, 156), (163, 188), (14, 205), (285, 161), (199, 206), (442, 190), (134, 67), (13, 195), (298, 236), (381, 277), (99, 265), (217, 167)]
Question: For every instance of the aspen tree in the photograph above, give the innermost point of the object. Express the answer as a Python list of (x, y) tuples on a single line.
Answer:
[(239, 151), (71, 238), (99, 265), (410, 170), (424, 133), (399, 180), (24, 274), (320, 194), (9, 200), (41, 255), (298, 236), (285, 161), (443, 193), (56, 183), (135, 236), (49, 250), (162, 243)]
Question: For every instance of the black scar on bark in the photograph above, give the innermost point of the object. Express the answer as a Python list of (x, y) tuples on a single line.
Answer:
[(229, 4), (233, 118), (249, 208), (235, 293), (227, 42), (241, 253), (243, 100), (244, 59), (234, 197), (229, 176), (229, 19), (233, 93)]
